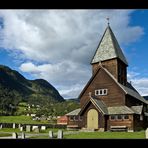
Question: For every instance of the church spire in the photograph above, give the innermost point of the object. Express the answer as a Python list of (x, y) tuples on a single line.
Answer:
[(108, 48)]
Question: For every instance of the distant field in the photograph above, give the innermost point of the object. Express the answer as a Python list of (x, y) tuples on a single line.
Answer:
[(20, 119)]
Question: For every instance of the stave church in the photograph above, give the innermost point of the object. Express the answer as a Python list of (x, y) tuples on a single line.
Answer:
[(108, 101)]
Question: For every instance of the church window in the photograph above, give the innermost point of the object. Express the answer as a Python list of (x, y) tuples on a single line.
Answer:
[(119, 117), (71, 118), (112, 117), (76, 118), (101, 92), (80, 118), (126, 117)]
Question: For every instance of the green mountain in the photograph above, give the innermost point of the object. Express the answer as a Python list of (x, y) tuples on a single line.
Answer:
[(15, 88)]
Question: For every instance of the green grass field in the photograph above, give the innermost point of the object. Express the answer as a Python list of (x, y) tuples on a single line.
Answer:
[(107, 135), (81, 135), (5, 134), (20, 119)]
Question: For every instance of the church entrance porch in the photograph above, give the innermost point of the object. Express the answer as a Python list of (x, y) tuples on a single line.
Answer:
[(92, 119)]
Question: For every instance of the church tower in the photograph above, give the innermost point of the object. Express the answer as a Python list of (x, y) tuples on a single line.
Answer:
[(110, 56)]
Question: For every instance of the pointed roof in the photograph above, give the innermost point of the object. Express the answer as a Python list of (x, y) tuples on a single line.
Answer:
[(108, 48), (74, 112), (128, 89)]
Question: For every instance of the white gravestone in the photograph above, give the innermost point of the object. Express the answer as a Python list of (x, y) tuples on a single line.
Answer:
[(13, 125), (146, 133), (28, 128), (50, 134), (1, 126), (34, 127), (23, 135), (14, 136), (43, 127), (36, 130), (60, 134), (21, 128)]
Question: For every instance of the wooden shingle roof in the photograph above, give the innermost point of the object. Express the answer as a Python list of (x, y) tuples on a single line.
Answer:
[(119, 110), (137, 109), (128, 89), (74, 112), (108, 48), (99, 104)]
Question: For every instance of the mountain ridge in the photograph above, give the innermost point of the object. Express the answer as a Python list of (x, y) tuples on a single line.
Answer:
[(15, 85)]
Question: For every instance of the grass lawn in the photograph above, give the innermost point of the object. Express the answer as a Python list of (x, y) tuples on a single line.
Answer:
[(42, 131), (100, 135), (20, 119), (107, 135), (5, 134)]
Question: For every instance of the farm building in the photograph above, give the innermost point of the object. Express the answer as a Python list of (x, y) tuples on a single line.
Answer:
[(109, 101)]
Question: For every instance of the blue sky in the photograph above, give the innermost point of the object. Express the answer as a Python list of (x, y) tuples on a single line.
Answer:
[(57, 45)]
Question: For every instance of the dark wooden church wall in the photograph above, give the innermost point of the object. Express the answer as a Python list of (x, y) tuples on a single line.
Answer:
[(115, 96)]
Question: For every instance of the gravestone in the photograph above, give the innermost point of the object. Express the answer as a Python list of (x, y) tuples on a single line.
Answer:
[(60, 134), (34, 127), (23, 135), (50, 134), (21, 128), (146, 133), (28, 128), (43, 127), (14, 135), (36, 130), (13, 125), (1, 126)]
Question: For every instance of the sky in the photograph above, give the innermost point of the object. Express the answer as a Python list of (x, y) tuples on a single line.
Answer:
[(58, 45)]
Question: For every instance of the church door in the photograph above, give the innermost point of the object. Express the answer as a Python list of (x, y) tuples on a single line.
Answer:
[(92, 119)]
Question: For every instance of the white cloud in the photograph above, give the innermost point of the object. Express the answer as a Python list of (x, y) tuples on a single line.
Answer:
[(69, 78), (63, 39), (140, 83)]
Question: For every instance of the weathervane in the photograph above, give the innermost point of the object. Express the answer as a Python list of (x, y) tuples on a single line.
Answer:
[(107, 20)]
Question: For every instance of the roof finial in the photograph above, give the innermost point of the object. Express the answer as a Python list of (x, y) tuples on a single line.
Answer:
[(107, 20)]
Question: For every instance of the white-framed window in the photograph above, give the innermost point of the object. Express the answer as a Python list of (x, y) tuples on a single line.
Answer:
[(112, 117), (101, 92), (119, 117), (126, 117)]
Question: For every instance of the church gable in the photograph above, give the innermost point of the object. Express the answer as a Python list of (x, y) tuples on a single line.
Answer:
[(103, 87)]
